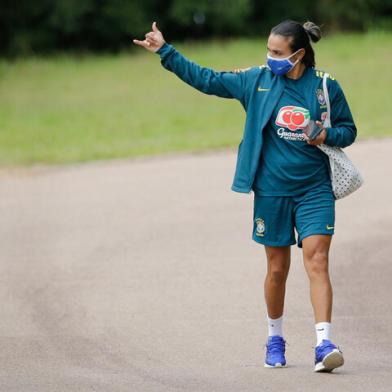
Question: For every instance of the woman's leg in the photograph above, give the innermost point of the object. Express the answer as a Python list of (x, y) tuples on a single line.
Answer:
[(278, 258), (328, 356), (315, 255)]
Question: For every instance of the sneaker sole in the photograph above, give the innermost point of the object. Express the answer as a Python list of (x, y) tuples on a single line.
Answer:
[(331, 361), (277, 365)]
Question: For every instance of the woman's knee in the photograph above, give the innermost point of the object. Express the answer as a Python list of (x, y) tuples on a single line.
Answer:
[(277, 276), (316, 262), (278, 264)]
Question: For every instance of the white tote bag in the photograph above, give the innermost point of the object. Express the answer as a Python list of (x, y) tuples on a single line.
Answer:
[(345, 177)]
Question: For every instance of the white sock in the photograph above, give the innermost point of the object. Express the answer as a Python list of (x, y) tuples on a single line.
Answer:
[(323, 330), (275, 326)]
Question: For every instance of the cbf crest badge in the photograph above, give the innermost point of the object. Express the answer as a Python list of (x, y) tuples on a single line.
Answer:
[(320, 96), (260, 227)]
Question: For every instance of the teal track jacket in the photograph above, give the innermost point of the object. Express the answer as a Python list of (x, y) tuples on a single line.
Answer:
[(258, 89)]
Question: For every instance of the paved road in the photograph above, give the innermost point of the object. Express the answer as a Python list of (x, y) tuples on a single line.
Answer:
[(141, 275)]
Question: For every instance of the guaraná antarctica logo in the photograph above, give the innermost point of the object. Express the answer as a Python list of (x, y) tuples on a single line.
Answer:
[(260, 227), (295, 118)]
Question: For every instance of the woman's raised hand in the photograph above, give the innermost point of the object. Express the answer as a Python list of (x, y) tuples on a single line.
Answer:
[(153, 41)]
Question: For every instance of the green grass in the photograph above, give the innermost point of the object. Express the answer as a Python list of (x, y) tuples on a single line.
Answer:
[(67, 109)]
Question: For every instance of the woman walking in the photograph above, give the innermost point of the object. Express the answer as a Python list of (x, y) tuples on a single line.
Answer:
[(277, 159)]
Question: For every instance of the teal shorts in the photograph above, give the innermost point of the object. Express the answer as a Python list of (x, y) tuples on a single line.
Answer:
[(275, 217)]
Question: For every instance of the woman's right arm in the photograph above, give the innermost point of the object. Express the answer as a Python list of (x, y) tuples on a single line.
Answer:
[(343, 131), (225, 84)]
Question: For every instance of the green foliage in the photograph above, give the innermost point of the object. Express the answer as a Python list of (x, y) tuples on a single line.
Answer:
[(221, 16), (28, 27)]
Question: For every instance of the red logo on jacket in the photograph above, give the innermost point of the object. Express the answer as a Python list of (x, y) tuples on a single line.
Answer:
[(293, 117)]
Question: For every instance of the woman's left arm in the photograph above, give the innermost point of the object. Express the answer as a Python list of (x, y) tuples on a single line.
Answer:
[(343, 131)]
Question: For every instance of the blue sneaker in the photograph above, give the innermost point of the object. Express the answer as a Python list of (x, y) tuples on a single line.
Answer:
[(327, 356), (276, 347)]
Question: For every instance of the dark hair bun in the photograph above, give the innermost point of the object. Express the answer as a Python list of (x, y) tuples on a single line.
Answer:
[(313, 31)]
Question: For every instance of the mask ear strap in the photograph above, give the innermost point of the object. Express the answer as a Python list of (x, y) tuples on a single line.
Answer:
[(298, 50), (296, 61)]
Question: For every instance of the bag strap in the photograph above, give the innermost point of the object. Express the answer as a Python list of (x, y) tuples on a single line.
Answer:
[(327, 121)]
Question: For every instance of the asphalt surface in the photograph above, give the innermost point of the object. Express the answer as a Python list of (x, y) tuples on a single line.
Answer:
[(141, 275)]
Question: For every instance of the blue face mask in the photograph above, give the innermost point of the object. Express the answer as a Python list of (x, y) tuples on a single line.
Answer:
[(281, 66)]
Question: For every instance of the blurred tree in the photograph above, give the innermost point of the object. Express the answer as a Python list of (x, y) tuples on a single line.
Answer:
[(344, 15), (218, 17), (44, 25), (24, 26)]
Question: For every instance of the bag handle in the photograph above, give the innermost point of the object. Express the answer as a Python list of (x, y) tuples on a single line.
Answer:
[(327, 121)]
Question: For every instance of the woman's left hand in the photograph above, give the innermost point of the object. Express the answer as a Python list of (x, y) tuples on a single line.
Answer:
[(320, 137)]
